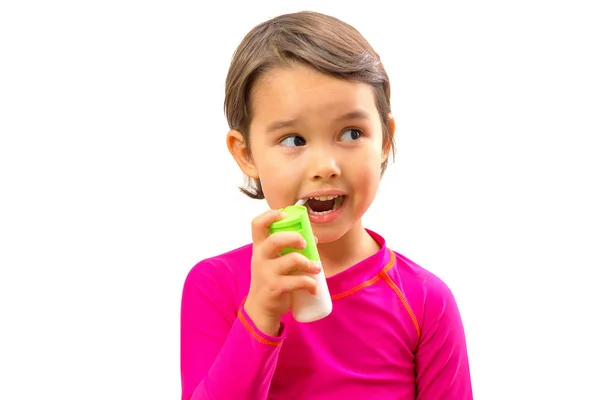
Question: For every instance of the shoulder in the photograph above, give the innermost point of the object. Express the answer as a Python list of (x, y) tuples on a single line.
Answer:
[(428, 295), (227, 272), (421, 278), (230, 261)]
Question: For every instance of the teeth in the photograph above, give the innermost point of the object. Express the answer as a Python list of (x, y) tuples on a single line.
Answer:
[(324, 198)]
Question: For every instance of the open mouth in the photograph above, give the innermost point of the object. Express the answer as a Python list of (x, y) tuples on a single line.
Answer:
[(324, 204)]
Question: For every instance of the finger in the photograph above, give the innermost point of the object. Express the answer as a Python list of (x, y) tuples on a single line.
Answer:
[(295, 262), (260, 225), (290, 283), (278, 241), (316, 240)]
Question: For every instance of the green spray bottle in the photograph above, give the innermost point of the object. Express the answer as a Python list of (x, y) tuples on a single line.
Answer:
[(306, 307)]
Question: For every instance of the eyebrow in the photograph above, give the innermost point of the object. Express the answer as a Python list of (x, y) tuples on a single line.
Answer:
[(356, 114)]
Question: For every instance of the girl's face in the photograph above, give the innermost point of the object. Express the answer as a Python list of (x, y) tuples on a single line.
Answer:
[(315, 136)]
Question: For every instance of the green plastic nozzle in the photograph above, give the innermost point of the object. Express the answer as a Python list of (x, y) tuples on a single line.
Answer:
[(297, 220)]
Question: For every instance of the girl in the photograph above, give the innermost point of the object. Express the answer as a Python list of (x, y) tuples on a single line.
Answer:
[(308, 104)]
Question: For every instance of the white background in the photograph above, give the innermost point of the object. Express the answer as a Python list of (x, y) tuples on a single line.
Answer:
[(115, 180)]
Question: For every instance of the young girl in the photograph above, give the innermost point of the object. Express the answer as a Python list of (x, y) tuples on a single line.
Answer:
[(308, 103)]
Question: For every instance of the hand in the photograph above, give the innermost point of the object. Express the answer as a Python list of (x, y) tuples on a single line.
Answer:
[(272, 275)]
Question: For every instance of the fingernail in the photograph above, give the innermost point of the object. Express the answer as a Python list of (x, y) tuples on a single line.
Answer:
[(316, 268)]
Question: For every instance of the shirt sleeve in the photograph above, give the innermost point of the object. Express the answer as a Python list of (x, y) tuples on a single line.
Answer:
[(441, 360), (223, 354)]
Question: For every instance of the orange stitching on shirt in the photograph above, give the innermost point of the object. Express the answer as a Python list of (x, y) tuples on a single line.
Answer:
[(253, 332), (396, 289), (370, 282), (356, 288)]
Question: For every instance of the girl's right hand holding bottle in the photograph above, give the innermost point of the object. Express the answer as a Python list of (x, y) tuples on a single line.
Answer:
[(272, 278)]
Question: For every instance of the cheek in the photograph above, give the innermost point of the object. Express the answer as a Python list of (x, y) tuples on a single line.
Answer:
[(274, 167), (278, 175), (366, 176), (370, 163)]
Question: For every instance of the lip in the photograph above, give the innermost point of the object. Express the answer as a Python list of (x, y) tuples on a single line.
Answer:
[(331, 192)]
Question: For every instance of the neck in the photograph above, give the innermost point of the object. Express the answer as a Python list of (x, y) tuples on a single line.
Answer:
[(353, 247)]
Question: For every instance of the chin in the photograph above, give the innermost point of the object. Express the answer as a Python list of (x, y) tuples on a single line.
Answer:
[(330, 234)]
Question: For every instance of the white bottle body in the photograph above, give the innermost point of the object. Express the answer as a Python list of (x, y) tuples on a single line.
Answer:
[(308, 307)]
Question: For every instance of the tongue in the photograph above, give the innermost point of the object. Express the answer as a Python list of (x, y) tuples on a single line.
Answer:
[(319, 206)]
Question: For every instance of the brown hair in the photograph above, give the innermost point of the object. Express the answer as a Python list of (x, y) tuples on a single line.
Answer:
[(320, 41)]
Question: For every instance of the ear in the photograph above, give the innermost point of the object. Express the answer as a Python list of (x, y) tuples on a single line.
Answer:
[(387, 144), (239, 150)]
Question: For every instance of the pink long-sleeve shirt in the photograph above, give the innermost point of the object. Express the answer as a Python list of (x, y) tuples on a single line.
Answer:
[(395, 332)]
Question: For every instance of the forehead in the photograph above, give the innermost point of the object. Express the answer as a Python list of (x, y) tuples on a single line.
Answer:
[(300, 92)]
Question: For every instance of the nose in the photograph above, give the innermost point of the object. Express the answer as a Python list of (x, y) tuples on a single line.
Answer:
[(324, 166)]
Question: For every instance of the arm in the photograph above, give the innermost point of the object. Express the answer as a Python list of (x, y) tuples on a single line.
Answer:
[(441, 360), (223, 355)]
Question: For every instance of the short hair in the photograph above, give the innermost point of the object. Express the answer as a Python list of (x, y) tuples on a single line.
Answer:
[(320, 41)]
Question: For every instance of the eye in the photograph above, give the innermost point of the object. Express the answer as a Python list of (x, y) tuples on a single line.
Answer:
[(293, 140), (351, 134)]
